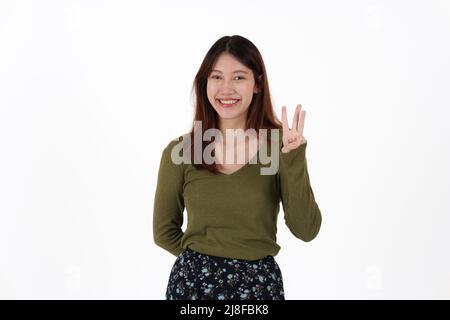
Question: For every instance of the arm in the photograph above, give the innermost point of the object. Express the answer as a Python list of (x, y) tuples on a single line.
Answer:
[(301, 212), (168, 205)]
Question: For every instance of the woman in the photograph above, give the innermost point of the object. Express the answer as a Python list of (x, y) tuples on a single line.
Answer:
[(227, 250)]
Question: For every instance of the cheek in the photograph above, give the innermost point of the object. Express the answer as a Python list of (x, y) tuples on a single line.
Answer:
[(208, 89), (247, 94), (248, 90), (211, 90), (210, 93)]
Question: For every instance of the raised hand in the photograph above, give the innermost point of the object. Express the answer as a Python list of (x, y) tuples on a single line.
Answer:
[(293, 138)]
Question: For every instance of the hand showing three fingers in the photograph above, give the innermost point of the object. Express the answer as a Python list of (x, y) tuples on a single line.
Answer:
[(293, 138)]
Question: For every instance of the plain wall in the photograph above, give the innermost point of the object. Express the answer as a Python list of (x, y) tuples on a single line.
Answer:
[(92, 91)]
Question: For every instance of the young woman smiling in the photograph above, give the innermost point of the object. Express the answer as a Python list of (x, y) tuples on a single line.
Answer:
[(227, 250)]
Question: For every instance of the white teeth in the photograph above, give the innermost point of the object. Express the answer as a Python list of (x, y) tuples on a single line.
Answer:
[(228, 101)]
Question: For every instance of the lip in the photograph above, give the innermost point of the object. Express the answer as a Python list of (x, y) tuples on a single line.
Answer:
[(228, 105)]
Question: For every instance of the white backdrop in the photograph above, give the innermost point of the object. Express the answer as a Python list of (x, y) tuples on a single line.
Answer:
[(92, 91)]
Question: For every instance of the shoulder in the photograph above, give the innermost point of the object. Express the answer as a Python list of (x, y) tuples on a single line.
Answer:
[(176, 141)]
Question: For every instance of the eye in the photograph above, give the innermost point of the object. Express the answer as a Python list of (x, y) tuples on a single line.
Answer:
[(217, 77)]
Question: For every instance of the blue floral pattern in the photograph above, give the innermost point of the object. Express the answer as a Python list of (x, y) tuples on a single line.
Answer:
[(198, 276)]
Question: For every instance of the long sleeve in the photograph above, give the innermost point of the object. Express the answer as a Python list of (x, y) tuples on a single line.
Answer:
[(301, 212), (168, 205)]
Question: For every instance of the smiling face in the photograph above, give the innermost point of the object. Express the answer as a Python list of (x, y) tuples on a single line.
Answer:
[(231, 82)]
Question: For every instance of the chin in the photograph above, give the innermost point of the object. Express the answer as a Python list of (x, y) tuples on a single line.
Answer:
[(231, 115)]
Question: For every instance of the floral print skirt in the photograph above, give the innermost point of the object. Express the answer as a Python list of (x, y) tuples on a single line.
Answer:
[(198, 276)]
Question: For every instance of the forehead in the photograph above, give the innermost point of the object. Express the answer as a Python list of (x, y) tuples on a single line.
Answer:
[(226, 63)]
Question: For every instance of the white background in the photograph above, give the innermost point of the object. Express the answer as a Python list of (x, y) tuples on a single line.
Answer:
[(92, 91)]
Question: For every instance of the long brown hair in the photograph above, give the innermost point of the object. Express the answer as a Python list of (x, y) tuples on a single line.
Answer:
[(260, 114)]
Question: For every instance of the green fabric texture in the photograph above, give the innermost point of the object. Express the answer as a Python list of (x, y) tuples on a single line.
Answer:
[(233, 215)]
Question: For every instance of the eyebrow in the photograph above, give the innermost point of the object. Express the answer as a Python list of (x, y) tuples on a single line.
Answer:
[(236, 71)]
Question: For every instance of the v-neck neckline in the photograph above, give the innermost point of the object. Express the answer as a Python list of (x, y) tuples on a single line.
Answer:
[(245, 165)]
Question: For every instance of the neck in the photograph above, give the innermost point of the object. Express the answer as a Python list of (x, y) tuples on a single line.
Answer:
[(231, 124)]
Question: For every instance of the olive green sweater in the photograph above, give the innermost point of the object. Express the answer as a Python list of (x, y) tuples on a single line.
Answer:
[(233, 215)]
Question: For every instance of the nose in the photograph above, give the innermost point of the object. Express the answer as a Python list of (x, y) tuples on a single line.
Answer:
[(227, 86)]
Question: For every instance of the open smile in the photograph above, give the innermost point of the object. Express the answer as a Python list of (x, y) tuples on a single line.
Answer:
[(228, 103)]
